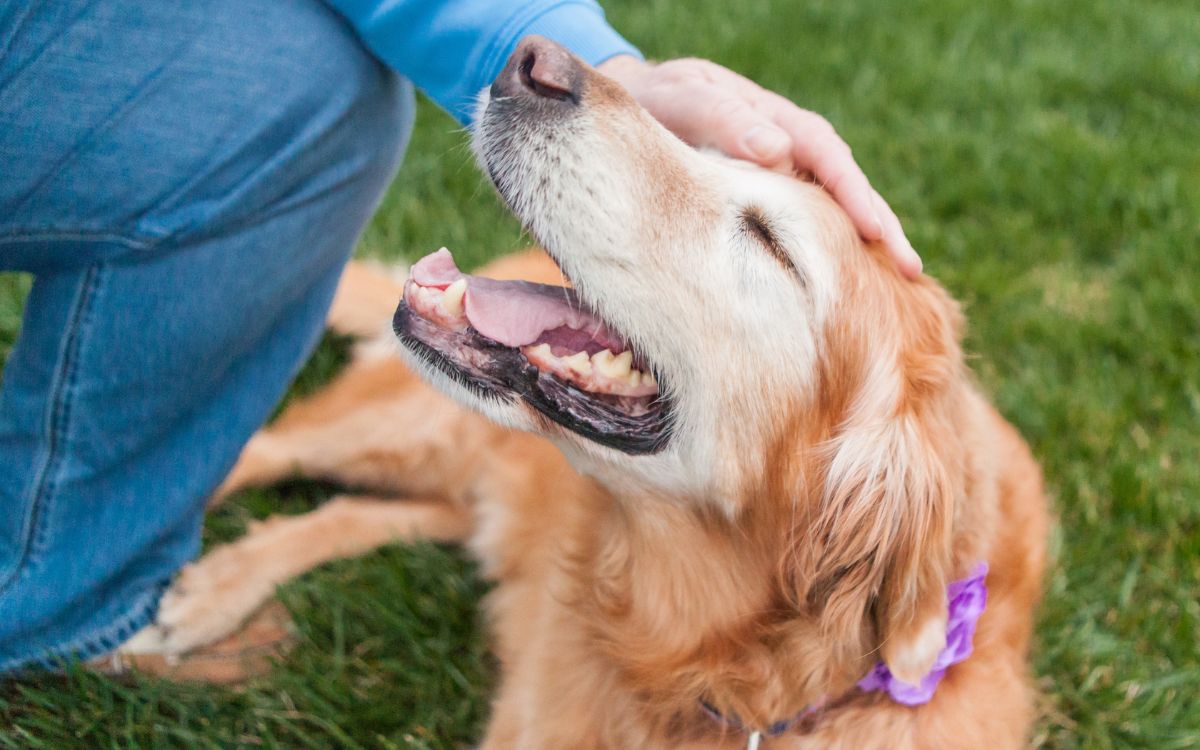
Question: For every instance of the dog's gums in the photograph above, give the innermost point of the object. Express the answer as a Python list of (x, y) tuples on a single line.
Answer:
[(539, 342)]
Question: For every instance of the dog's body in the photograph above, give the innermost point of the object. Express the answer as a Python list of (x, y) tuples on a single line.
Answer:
[(818, 468)]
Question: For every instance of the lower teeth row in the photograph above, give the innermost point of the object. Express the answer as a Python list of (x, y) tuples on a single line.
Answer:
[(616, 367)]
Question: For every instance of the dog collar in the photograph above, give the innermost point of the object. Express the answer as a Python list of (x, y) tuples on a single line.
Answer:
[(754, 736), (966, 600)]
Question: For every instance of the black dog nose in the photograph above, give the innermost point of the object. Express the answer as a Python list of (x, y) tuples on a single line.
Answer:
[(541, 68)]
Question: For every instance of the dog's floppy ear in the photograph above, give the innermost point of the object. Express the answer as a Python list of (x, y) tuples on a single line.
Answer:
[(880, 542), (875, 548)]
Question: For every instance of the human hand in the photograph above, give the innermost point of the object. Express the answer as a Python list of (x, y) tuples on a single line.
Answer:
[(706, 104)]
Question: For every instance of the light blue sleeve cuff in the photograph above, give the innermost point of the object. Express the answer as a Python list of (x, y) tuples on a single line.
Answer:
[(453, 48), (578, 25)]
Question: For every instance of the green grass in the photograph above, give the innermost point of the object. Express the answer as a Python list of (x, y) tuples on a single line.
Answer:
[(1044, 159)]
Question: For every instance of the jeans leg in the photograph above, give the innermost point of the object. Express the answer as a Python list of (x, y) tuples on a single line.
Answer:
[(246, 152)]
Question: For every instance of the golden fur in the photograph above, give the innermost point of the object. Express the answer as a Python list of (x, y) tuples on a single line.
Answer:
[(610, 618), (843, 506)]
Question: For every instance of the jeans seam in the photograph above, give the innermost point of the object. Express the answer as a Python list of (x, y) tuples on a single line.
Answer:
[(98, 642), (74, 235), (57, 421)]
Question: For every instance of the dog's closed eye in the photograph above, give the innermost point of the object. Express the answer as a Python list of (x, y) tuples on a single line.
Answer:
[(756, 224)]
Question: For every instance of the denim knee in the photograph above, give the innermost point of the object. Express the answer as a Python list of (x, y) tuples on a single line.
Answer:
[(198, 118), (310, 111)]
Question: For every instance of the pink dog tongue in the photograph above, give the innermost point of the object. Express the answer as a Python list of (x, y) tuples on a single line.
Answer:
[(513, 313)]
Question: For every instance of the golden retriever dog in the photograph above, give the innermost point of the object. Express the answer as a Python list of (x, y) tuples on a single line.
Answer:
[(733, 480)]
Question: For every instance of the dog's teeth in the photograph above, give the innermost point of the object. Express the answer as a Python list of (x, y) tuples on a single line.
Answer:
[(603, 362), (648, 379), (542, 351), (580, 363), (635, 378), (615, 367), (623, 362), (452, 298)]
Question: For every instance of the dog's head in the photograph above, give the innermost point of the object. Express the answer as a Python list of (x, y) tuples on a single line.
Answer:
[(729, 342)]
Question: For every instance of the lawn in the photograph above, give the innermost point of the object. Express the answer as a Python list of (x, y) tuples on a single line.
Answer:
[(1044, 159)]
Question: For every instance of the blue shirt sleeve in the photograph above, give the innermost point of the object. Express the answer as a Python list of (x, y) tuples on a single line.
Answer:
[(453, 48)]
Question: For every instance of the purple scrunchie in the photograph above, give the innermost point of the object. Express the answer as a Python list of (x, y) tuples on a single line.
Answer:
[(967, 599)]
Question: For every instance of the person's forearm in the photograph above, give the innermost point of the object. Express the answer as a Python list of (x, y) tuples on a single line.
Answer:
[(451, 49)]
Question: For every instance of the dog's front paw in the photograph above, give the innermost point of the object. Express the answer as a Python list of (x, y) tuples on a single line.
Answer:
[(209, 600)]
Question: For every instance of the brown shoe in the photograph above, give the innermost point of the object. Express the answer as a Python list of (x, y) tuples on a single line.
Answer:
[(250, 652)]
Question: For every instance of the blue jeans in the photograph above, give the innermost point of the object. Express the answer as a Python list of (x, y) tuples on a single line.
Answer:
[(185, 180)]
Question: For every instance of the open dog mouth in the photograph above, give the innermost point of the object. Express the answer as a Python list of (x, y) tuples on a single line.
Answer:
[(537, 342)]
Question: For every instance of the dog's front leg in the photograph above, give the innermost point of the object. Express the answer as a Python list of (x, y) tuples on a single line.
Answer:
[(212, 596)]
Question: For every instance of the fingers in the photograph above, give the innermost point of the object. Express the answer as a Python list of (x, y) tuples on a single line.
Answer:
[(899, 248), (761, 142), (817, 148), (730, 124)]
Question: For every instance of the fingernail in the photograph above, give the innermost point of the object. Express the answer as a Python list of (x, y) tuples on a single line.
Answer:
[(765, 142), (876, 217), (911, 258)]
